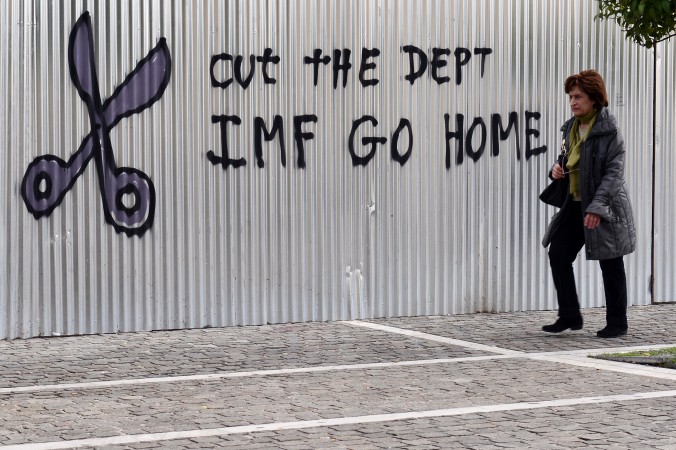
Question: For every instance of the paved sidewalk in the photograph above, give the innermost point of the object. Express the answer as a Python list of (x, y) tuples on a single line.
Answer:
[(485, 381)]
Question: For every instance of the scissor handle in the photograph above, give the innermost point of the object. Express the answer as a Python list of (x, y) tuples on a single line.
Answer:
[(48, 178), (129, 199), (44, 185)]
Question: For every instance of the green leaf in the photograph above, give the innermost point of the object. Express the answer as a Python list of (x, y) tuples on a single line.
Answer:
[(644, 21)]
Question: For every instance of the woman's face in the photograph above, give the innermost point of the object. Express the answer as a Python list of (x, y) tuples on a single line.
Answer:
[(580, 103)]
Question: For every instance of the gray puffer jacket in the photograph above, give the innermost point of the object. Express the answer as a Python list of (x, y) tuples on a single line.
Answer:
[(603, 191)]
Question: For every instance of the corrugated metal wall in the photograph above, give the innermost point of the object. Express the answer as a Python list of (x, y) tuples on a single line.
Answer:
[(332, 240)]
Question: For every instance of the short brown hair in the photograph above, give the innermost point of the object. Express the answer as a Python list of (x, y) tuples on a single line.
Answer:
[(591, 83)]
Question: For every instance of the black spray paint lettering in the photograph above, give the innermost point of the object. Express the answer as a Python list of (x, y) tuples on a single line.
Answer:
[(128, 194), (373, 141), (225, 159), (237, 63), (261, 132), (464, 139), (471, 141), (418, 62), (342, 63)]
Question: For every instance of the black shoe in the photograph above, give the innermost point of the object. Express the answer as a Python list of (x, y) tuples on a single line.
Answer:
[(611, 332), (562, 325)]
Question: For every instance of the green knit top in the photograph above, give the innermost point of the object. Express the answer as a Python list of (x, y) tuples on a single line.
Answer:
[(573, 164)]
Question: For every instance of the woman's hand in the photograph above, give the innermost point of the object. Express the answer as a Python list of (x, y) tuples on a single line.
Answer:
[(592, 220), (557, 172)]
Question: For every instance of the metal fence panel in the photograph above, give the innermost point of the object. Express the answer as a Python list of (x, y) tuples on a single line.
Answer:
[(314, 229)]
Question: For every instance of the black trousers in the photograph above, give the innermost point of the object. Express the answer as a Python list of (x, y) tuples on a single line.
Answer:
[(566, 244)]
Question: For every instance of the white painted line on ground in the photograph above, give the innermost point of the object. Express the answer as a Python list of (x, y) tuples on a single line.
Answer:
[(571, 357), (578, 358), (582, 360), (435, 338), (255, 373), (358, 420), (600, 351)]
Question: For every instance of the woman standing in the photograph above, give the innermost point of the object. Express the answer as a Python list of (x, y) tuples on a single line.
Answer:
[(597, 213)]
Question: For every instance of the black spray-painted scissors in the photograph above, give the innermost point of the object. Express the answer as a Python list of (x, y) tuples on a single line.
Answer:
[(128, 194)]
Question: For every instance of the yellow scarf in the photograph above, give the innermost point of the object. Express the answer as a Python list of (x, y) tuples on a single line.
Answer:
[(573, 164)]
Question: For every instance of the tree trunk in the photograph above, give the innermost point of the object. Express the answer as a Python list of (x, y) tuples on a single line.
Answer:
[(652, 231)]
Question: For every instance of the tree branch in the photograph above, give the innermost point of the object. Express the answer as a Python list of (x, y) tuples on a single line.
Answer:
[(664, 39)]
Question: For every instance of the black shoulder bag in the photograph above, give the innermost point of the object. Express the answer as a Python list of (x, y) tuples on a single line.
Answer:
[(556, 192)]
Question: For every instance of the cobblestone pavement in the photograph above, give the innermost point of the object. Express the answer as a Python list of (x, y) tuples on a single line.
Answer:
[(485, 381)]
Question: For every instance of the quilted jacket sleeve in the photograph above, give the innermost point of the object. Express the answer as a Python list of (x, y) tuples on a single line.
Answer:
[(611, 176)]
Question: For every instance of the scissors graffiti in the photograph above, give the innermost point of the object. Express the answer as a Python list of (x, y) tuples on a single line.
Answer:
[(128, 194)]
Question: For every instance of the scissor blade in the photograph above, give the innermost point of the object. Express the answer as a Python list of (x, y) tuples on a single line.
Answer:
[(142, 87), (81, 62)]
